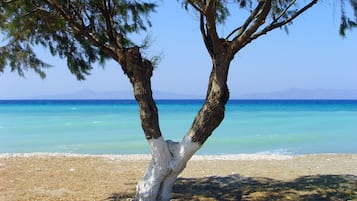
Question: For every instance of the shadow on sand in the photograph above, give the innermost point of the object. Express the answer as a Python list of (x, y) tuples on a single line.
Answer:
[(238, 188)]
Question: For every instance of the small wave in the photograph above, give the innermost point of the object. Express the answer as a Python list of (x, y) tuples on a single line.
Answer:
[(2, 127), (283, 152), (74, 108)]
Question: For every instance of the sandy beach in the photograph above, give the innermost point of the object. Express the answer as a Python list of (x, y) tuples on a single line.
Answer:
[(230, 177)]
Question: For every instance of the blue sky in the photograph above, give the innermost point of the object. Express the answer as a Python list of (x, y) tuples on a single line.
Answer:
[(311, 56)]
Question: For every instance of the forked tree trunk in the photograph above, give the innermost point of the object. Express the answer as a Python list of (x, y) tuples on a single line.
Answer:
[(170, 158)]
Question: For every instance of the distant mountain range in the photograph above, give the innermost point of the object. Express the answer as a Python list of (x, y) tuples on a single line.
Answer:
[(285, 94), (89, 94), (303, 94)]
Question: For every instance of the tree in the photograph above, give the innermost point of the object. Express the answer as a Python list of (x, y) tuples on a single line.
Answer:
[(87, 31)]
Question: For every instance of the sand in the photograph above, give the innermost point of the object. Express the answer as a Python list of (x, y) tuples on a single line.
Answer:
[(232, 177)]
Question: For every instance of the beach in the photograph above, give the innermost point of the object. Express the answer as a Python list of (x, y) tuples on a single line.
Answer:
[(49, 176)]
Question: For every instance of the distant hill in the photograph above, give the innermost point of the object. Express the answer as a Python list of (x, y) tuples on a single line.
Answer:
[(89, 94), (284, 94), (303, 94)]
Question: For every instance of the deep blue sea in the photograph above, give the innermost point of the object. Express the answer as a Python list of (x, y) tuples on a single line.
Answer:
[(113, 126)]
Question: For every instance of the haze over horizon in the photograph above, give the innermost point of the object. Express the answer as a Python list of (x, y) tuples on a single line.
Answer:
[(289, 94)]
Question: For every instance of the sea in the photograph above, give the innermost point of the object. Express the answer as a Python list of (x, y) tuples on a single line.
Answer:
[(101, 127)]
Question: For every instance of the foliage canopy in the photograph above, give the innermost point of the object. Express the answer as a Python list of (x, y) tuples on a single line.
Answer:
[(77, 30), (86, 31)]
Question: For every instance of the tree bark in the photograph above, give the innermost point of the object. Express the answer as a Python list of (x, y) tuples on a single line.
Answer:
[(170, 158), (139, 72), (212, 112)]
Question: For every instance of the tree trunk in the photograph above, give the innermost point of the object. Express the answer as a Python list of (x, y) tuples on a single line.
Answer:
[(168, 160), (139, 72), (212, 112)]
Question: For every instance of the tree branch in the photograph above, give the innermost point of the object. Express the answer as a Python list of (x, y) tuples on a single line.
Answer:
[(193, 4), (204, 34), (259, 19), (275, 25), (248, 21), (34, 10), (109, 24), (284, 11), (213, 41)]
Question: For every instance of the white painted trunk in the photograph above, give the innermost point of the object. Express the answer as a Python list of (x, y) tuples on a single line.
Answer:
[(168, 160)]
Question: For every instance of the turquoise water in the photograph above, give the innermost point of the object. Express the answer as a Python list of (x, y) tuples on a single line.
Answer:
[(113, 126)]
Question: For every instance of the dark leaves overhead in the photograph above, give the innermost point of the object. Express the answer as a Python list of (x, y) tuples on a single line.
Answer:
[(21, 57), (348, 21), (81, 31)]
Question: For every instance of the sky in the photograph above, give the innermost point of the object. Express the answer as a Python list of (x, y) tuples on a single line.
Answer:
[(312, 56)]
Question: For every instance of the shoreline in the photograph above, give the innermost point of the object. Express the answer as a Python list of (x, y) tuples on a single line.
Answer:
[(64, 176), (250, 156)]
